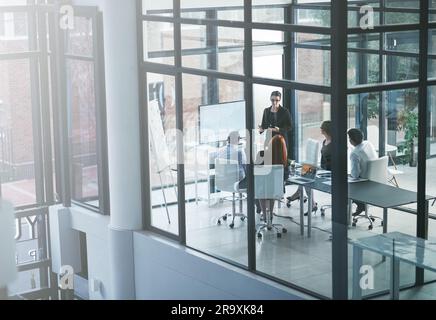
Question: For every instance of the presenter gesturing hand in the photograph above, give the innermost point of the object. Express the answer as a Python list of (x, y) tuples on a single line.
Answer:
[(276, 118)]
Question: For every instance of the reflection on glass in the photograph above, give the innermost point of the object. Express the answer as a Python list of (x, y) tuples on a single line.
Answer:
[(17, 167), (159, 42), (213, 109), (228, 10), (14, 32), (83, 131), (80, 38), (158, 8), (163, 152), (213, 48)]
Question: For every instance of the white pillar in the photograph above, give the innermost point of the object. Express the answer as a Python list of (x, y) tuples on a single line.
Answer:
[(122, 105), (122, 100)]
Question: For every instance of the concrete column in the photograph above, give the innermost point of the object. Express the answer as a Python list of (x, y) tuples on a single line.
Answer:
[(122, 96), (122, 105)]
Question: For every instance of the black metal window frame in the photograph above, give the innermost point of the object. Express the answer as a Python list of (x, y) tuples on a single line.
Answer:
[(340, 34), (38, 57), (63, 140)]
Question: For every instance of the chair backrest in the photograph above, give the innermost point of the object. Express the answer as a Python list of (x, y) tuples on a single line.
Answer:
[(268, 182), (226, 174), (373, 136), (312, 152), (378, 170)]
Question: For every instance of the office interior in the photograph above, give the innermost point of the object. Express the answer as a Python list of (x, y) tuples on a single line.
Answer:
[(111, 114)]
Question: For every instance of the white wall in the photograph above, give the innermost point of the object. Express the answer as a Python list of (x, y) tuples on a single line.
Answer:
[(96, 228), (168, 271), (164, 269)]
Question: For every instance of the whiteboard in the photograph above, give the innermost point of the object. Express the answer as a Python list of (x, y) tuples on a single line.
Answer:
[(218, 120), (158, 138)]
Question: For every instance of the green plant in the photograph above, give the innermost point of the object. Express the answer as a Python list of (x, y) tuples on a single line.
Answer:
[(408, 122)]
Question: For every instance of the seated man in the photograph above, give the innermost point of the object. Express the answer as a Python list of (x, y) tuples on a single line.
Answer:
[(363, 152), (232, 151)]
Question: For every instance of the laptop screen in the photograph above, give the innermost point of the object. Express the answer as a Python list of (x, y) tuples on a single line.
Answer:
[(308, 171)]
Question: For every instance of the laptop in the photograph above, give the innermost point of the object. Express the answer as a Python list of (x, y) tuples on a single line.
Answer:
[(308, 175)]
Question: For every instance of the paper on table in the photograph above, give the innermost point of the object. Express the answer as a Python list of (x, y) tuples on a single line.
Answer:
[(350, 180)]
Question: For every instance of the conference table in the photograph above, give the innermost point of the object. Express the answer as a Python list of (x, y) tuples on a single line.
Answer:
[(369, 192)]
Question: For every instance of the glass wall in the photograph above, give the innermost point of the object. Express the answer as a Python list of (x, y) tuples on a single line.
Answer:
[(225, 83), (16, 134), (85, 112), (163, 152), (210, 176)]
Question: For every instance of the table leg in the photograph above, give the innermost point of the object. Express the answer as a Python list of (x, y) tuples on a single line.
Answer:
[(300, 188), (395, 278), (309, 213), (357, 264), (385, 226)]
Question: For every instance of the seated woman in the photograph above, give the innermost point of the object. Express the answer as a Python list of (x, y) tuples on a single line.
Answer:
[(326, 161), (275, 154)]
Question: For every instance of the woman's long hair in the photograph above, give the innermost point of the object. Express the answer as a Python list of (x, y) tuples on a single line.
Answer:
[(278, 151)]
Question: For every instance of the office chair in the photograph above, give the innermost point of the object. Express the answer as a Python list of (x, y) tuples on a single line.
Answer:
[(312, 152), (268, 184), (227, 179), (377, 171), (373, 137)]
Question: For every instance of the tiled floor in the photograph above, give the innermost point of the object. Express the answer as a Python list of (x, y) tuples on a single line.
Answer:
[(303, 261)]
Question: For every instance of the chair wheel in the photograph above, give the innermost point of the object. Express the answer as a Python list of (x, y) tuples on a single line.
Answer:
[(285, 230), (242, 218), (354, 220), (225, 218), (288, 205), (373, 219), (370, 227), (218, 222), (232, 225), (382, 223), (354, 224), (279, 235), (269, 228), (259, 235)]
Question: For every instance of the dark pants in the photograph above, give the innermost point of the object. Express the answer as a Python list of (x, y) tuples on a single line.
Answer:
[(243, 184), (360, 206)]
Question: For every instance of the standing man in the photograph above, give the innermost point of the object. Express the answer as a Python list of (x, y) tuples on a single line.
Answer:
[(363, 152), (276, 118)]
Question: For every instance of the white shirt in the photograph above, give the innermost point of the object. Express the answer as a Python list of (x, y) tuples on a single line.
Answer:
[(359, 157)]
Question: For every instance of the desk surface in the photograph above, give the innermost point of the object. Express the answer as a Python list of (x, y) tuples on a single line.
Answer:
[(403, 246), (373, 193)]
